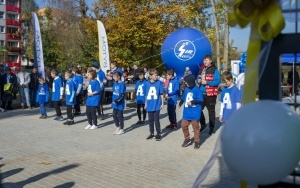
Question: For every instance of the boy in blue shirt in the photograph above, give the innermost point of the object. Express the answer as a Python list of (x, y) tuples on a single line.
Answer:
[(93, 93), (70, 97), (231, 97), (42, 97), (118, 102), (78, 79), (140, 97), (192, 99), (57, 94), (154, 102), (171, 95)]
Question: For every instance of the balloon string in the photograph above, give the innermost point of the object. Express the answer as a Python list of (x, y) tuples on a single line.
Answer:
[(217, 149)]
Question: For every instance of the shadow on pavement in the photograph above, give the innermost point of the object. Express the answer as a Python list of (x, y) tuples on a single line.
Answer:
[(39, 176), (65, 185)]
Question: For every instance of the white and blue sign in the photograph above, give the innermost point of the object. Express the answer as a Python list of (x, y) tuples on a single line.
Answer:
[(185, 48)]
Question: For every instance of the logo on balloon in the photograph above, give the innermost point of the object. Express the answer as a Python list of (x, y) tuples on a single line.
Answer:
[(184, 50)]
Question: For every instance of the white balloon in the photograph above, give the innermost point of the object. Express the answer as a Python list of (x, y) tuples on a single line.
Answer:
[(261, 142)]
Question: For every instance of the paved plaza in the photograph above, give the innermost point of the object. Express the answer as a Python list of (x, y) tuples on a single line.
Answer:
[(45, 153)]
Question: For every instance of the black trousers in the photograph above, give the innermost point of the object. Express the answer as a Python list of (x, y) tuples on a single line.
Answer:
[(91, 115), (154, 119), (57, 105), (100, 106), (78, 103), (210, 104), (118, 118), (70, 112), (4, 104), (138, 110), (172, 113)]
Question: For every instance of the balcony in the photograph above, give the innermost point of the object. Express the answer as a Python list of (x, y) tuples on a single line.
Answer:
[(14, 49), (12, 22), (13, 8), (13, 36)]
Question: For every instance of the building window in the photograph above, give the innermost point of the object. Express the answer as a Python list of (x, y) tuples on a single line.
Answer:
[(13, 3), (2, 43), (2, 29), (12, 16), (12, 44), (2, 2), (2, 15), (13, 58), (12, 30)]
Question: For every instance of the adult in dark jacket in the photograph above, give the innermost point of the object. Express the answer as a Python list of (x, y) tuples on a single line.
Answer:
[(8, 97), (33, 86), (293, 80)]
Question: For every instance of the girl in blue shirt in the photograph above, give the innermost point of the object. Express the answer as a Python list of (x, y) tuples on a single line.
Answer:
[(118, 102), (140, 97), (154, 102), (93, 93), (70, 94), (42, 97)]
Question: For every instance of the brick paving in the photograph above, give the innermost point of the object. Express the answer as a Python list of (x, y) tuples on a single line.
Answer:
[(45, 153)]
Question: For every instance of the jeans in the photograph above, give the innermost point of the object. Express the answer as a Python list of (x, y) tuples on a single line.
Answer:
[(91, 115), (70, 112), (172, 113), (24, 94), (57, 108), (118, 118), (210, 104), (154, 119), (43, 109), (32, 94)]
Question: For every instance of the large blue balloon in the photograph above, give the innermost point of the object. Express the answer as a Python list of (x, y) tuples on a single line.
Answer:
[(185, 48)]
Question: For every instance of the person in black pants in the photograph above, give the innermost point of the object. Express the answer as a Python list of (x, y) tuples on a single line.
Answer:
[(209, 79)]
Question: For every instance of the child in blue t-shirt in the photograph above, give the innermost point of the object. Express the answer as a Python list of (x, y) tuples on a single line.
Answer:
[(78, 79), (70, 94), (192, 98), (172, 92), (42, 97), (57, 94), (140, 97), (231, 97), (154, 102), (118, 102), (93, 93)]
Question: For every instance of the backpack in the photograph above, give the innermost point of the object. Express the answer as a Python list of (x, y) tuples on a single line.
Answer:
[(8, 88)]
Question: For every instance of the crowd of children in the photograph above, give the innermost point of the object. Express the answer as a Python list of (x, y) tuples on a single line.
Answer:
[(150, 96)]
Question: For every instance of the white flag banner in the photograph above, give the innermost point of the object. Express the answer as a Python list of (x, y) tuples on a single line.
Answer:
[(103, 47), (38, 48)]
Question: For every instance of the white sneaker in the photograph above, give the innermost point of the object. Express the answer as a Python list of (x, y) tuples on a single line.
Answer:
[(87, 127), (93, 127), (120, 132), (117, 130)]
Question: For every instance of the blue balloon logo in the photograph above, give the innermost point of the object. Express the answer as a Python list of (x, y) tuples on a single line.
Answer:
[(185, 48)]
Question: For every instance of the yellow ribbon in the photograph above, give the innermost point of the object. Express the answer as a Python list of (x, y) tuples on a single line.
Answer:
[(266, 21)]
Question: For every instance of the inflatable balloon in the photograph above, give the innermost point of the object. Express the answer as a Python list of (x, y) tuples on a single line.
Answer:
[(185, 48), (260, 142)]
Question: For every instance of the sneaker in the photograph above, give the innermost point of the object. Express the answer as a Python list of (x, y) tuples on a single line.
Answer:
[(158, 137), (41, 117), (70, 122), (120, 132), (117, 130), (66, 123), (44, 117), (186, 143), (139, 122), (150, 137), (57, 118), (202, 128), (211, 131), (143, 122), (93, 127), (61, 118), (88, 127), (197, 145)]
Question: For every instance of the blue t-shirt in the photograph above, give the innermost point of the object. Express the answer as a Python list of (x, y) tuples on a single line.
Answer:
[(192, 112), (93, 100), (42, 94), (78, 79), (230, 97), (101, 78), (118, 89), (70, 92), (173, 91), (57, 89), (140, 91), (153, 93)]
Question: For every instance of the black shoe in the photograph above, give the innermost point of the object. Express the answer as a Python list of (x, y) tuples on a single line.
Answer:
[(211, 131), (139, 122), (197, 145), (158, 137), (169, 126), (150, 136), (202, 128), (143, 122), (186, 142), (66, 123), (70, 122), (77, 113)]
